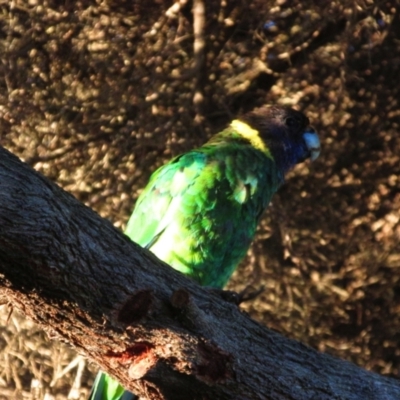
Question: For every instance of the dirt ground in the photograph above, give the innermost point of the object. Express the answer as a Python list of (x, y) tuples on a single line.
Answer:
[(96, 95)]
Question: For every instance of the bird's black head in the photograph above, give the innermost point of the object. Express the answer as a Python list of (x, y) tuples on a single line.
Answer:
[(285, 133)]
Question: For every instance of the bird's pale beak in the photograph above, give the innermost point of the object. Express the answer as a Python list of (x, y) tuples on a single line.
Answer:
[(312, 142)]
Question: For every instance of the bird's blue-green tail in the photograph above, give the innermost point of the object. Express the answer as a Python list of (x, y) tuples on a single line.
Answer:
[(107, 388)]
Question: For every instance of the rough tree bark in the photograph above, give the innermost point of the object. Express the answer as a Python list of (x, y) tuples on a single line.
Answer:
[(159, 333)]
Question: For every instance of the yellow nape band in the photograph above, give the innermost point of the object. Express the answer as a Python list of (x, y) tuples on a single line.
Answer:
[(252, 135)]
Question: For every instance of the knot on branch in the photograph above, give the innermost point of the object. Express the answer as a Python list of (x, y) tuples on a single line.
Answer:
[(180, 299), (190, 314), (136, 307)]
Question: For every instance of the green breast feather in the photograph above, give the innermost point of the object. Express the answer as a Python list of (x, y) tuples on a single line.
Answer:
[(199, 212)]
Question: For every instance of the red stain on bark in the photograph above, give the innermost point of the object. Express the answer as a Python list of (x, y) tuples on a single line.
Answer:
[(140, 357), (133, 353)]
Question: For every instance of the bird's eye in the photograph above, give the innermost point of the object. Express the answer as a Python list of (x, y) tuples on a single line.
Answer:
[(292, 122)]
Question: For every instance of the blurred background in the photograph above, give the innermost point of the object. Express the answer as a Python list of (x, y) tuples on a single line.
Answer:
[(97, 94)]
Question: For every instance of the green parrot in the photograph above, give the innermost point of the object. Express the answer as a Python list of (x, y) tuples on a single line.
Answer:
[(199, 212)]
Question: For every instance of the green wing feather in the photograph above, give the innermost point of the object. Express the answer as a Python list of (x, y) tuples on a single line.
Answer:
[(199, 212), (160, 200)]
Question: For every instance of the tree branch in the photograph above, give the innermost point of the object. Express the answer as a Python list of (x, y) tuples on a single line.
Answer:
[(160, 334), (199, 55)]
